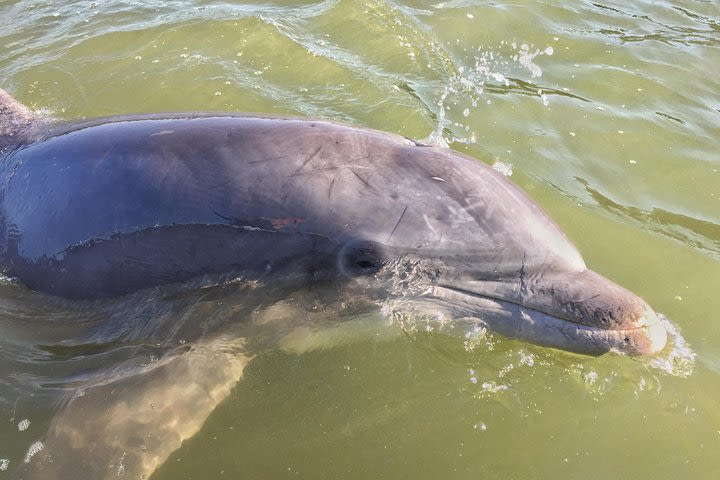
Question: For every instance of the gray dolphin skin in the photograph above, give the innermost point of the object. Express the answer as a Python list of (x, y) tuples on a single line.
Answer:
[(107, 207)]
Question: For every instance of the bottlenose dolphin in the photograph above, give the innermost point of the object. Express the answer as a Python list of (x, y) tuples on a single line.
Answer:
[(104, 208)]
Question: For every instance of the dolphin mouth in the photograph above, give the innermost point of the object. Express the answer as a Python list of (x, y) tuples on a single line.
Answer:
[(640, 333)]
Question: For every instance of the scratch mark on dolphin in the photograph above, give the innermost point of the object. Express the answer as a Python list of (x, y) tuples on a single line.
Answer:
[(232, 220), (428, 223), (313, 172), (330, 188), (523, 283), (397, 223), (365, 181), (268, 159), (222, 184), (107, 155), (582, 300), (306, 161)]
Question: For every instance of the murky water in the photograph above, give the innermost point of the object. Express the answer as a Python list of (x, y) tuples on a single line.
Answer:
[(607, 113)]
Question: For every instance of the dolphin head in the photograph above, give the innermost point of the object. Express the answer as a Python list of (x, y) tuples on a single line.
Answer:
[(576, 310), (462, 242)]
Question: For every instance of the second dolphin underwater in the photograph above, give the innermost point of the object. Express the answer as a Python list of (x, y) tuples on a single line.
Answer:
[(109, 207)]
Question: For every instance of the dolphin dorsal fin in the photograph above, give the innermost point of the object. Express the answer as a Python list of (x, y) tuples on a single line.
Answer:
[(18, 124)]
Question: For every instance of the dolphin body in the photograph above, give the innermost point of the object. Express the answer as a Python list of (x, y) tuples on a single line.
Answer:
[(109, 207)]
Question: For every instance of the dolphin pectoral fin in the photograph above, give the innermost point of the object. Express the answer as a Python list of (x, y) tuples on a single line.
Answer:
[(129, 427)]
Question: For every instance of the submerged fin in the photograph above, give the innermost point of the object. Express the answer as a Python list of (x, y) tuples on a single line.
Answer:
[(18, 124), (128, 427)]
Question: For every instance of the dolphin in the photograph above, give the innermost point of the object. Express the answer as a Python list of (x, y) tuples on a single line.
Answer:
[(109, 207)]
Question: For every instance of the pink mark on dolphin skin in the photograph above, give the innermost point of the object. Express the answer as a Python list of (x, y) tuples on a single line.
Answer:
[(286, 222)]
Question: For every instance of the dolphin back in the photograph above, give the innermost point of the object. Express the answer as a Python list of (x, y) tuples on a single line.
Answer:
[(106, 208)]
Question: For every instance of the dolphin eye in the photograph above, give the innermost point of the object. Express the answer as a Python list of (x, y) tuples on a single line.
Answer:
[(360, 257)]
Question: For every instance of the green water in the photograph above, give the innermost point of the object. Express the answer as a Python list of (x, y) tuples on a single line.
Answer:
[(608, 118)]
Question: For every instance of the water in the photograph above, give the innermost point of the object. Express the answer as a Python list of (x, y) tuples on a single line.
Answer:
[(605, 113)]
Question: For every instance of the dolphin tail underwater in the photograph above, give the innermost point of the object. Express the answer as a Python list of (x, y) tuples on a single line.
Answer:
[(114, 207)]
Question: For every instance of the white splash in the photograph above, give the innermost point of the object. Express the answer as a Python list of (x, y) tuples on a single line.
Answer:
[(590, 377), (493, 387), (504, 168), (121, 465), (478, 336), (4, 464), (23, 425), (5, 280), (33, 450), (525, 58), (484, 66), (680, 360), (436, 137), (527, 359)]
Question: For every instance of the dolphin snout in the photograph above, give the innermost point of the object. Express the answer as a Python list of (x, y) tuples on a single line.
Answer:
[(579, 311), (588, 298), (647, 338), (621, 318)]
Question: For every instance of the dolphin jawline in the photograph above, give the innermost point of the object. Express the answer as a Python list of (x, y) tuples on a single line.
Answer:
[(645, 336)]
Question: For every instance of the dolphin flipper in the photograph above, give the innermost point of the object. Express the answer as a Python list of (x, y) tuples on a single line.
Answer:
[(128, 427)]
